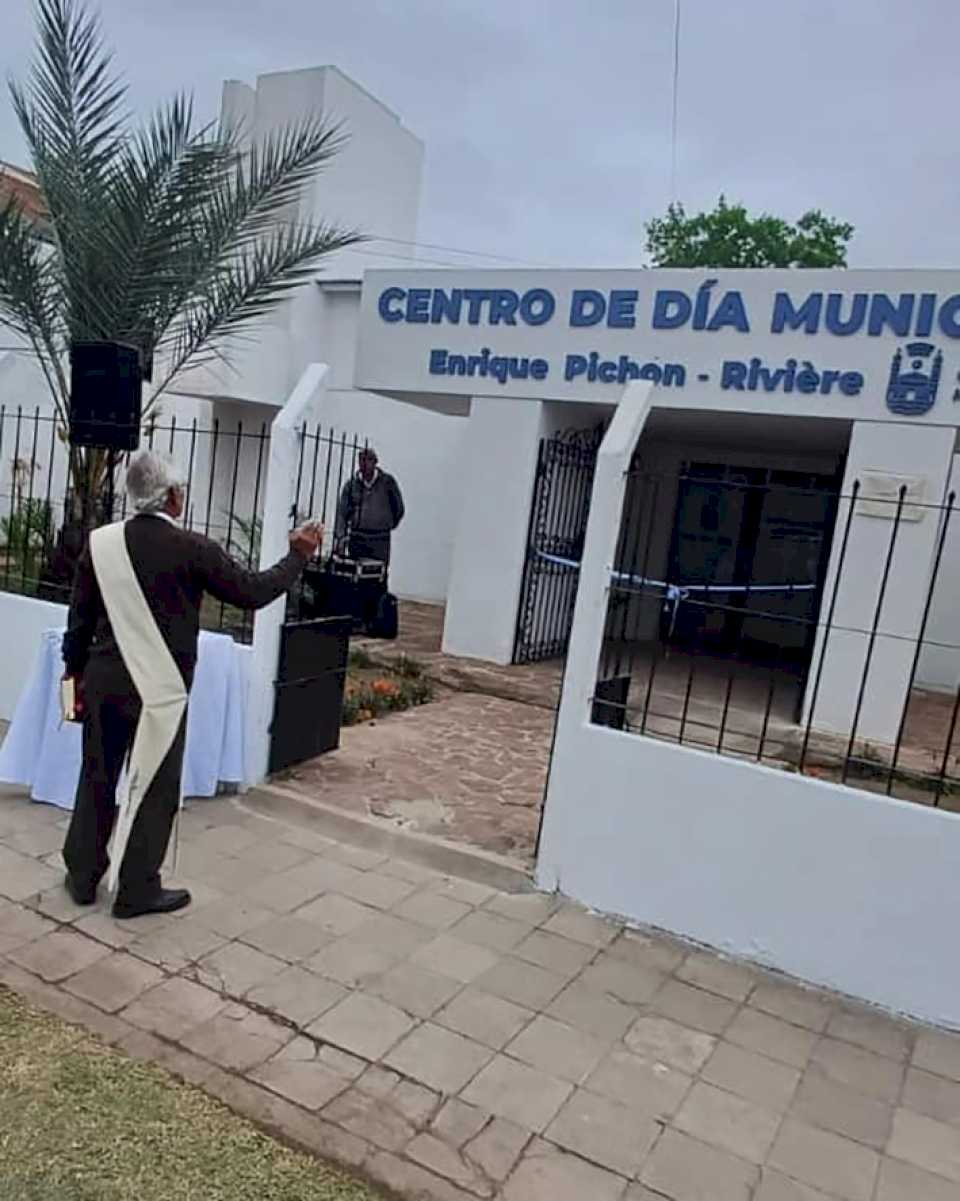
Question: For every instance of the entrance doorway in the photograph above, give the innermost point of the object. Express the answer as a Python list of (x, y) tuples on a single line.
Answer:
[(749, 551), (558, 525)]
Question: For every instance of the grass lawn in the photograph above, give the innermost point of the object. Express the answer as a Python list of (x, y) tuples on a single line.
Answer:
[(81, 1122)]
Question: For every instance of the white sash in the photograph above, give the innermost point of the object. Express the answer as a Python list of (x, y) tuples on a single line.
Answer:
[(155, 676)]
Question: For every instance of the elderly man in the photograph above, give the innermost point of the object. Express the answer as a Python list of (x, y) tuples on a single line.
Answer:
[(131, 650), (370, 509)]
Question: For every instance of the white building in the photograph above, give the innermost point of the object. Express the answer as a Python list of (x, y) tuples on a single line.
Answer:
[(777, 509), (768, 580), (374, 186), (819, 378), (458, 376)]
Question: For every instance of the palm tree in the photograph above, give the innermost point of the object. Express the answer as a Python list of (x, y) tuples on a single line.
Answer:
[(169, 236)]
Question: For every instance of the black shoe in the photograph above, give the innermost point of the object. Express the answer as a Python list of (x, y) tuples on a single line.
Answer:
[(167, 900), (80, 894)]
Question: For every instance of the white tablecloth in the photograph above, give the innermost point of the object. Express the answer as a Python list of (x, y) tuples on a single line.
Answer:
[(43, 754)]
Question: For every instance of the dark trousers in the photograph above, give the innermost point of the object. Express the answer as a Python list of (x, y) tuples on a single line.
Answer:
[(112, 712), (370, 546)]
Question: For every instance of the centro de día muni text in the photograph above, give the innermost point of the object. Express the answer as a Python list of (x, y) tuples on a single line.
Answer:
[(839, 314)]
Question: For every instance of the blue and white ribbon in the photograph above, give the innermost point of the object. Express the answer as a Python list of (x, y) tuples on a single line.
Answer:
[(675, 594)]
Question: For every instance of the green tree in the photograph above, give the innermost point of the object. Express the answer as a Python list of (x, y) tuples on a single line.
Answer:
[(730, 237), (167, 235)]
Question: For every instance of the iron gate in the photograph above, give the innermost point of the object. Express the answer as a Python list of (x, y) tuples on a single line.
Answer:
[(558, 524)]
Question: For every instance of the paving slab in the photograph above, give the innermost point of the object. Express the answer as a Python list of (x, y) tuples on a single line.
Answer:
[(459, 1041)]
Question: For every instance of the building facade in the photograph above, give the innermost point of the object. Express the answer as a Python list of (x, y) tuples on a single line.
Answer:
[(373, 185), (486, 392), (776, 392)]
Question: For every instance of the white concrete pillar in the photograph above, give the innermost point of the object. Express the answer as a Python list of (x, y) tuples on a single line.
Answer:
[(279, 499), (883, 457), (939, 666), (563, 810), (497, 478)]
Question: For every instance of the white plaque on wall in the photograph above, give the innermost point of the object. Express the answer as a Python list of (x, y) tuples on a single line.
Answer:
[(880, 495)]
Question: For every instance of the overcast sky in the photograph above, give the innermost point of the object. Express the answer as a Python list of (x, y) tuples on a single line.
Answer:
[(547, 122)]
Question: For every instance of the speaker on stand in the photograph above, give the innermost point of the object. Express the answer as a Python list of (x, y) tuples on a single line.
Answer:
[(106, 389)]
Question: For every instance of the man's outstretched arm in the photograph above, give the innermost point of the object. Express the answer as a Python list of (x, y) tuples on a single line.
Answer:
[(229, 582)]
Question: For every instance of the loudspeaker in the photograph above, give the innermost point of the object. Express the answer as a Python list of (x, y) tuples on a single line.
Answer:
[(311, 675), (386, 621), (610, 702), (106, 385)]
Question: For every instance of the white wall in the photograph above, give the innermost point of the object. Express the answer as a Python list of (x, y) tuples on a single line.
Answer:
[(239, 467), (939, 666), (495, 483), (372, 185), (843, 888), (22, 620), (426, 453), (912, 453), (839, 887)]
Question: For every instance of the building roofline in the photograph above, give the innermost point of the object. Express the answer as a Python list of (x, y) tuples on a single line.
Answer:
[(343, 75)]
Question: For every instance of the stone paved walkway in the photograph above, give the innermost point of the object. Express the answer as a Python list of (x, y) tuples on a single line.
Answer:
[(467, 767), (470, 767), (421, 631), (455, 1042)]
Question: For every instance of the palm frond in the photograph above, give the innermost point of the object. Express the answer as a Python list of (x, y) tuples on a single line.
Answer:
[(236, 224), (154, 185), (31, 302), (73, 119), (229, 219), (245, 288), (76, 99), (171, 237), (276, 171)]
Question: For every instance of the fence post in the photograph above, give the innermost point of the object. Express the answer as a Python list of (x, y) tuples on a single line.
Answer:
[(862, 664), (279, 501), (590, 613)]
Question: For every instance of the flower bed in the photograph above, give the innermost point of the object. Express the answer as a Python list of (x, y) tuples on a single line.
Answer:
[(373, 692)]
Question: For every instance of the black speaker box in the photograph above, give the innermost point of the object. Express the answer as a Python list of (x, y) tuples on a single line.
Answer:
[(610, 702), (106, 386), (309, 691)]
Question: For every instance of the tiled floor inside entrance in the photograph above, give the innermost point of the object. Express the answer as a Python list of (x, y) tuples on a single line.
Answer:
[(455, 1041)]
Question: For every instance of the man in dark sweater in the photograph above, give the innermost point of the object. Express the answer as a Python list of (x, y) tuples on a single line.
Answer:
[(370, 509), (174, 570)]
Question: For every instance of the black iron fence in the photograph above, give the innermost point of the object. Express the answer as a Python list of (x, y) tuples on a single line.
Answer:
[(779, 620), (558, 524), (224, 466)]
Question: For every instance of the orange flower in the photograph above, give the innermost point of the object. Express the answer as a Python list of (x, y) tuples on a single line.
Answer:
[(385, 688)]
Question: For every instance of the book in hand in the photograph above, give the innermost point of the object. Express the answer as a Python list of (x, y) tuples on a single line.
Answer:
[(70, 709)]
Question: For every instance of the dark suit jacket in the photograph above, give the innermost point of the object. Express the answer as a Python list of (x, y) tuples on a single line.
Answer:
[(378, 509), (175, 568)]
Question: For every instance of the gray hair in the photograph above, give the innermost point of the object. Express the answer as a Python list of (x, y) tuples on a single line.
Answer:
[(150, 478)]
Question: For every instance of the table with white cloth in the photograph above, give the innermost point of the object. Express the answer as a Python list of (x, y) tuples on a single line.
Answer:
[(43, 753)]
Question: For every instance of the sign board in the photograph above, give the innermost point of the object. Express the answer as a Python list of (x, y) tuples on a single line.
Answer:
[(874, 345)]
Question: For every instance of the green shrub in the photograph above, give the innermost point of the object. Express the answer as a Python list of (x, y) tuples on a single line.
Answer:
[(26, 535)]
